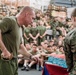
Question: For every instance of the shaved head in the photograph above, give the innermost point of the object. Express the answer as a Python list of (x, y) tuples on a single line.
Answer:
[(26, 9), (26, 16)]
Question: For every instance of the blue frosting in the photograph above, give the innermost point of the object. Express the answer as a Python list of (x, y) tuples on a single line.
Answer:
[(57, 61)]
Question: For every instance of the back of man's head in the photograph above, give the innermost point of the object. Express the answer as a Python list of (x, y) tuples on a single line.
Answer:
[(73, 13)]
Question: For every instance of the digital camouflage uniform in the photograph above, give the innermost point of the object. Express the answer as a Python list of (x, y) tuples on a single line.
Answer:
[(60, 24), (70, 51), (54, 24), (11, 38)]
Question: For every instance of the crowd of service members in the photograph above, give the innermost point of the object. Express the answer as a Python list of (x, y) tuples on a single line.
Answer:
[(43, 39)]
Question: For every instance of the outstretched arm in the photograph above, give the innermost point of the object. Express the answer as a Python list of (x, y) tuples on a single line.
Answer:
[(24, 51)]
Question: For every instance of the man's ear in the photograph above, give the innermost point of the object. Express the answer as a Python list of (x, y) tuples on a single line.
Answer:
[(75, 19), (26, 14)]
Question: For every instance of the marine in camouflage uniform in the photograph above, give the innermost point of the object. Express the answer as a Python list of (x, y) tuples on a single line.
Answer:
[(53, 26), (70, 47), (70, 51)]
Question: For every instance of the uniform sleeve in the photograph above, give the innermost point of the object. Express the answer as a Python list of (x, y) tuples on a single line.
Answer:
[(73, 44), (5, 25), (68, 54)]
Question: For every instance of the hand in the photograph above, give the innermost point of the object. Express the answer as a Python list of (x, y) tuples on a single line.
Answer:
[(6, 54), (27, 38), (43, 54), (40, 36), (34, 58), (34, 38)]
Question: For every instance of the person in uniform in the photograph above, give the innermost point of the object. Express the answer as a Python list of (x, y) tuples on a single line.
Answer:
[(26, 34), (33, 32), (42, 31), (10, 28), (70, 46)]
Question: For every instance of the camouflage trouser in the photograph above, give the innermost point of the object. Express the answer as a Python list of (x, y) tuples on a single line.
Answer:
[(73, 71)]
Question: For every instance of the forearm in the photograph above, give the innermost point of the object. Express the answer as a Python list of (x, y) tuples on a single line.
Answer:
[(37, 35), (68, 55), (2, 46), (69, 59), (38, 55), (24, 51), (25, 36), (31, 36)]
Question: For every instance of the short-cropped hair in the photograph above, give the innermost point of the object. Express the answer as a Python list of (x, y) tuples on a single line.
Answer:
[(73, 13)]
